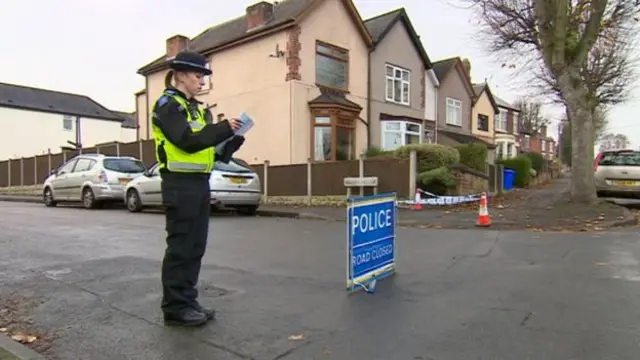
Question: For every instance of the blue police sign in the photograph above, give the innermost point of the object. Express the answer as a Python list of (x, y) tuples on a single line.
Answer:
[(371, 228)]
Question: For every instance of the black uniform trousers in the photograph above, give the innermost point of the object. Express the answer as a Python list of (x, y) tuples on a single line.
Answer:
[(186, 198)]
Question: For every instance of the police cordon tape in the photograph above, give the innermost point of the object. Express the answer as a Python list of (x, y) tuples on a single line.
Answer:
[(440, 200)]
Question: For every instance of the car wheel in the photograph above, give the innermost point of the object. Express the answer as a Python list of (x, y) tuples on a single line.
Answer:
[(133, 201), (48, 198), (88, 198), (248, 210)]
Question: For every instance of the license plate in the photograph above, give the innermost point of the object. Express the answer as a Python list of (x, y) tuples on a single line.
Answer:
[(238, 180), (626, 183), (124, 181)]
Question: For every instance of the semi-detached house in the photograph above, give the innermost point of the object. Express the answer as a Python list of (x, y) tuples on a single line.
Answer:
[(397, 96), (299, 67), (38, 121)]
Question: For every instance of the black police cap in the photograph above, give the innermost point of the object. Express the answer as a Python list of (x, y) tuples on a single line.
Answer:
[(190, 61)]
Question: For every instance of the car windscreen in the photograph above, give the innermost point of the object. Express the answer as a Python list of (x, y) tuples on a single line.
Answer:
[(630, 158), (127, 166), (232, 166)]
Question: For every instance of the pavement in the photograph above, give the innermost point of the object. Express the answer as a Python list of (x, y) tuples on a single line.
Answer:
[(86, 283), (545, 207)]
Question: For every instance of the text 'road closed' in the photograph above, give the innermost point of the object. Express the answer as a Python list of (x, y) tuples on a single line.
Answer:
[(374, 253)]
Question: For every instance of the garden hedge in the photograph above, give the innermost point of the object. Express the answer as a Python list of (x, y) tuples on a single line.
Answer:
[(473, 156), (522, 166)]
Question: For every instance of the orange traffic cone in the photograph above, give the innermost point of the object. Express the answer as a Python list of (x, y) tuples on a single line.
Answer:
[(484, 219), (417, 203)]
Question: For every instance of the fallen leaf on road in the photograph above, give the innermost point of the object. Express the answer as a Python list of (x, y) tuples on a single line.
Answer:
[(23, 338), (3, 330), (297, 337), (602, 264)]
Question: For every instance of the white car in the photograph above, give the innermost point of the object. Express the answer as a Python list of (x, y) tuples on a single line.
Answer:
[(91, 179), (233, 185)]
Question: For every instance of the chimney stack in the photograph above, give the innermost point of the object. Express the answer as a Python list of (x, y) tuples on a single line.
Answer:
[(543, 131), (176, 44), (467, 66), (259, 14)]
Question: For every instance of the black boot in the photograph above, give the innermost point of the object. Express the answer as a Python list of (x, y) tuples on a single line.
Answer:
[(210, 314), (185, 318)]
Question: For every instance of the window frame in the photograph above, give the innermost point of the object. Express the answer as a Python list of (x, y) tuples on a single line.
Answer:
[(502, 118), (401, 81), (207, 79), (92, 163), (486, 119), (455, 104), (338, 119), (343, 57), (403, 131), (66, 118)]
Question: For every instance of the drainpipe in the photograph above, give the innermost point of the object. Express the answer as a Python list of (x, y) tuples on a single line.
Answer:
[(369, 99), (436, 90), (78, 135)]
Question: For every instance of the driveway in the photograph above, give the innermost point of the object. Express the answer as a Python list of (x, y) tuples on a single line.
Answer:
[(91, 280)]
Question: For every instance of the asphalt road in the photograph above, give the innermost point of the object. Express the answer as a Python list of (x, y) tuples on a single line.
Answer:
[(459, 294)]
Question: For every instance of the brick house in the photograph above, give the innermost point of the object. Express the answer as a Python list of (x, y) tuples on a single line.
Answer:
[(299, 67)]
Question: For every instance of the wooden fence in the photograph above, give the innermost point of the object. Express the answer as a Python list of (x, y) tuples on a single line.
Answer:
[(310, 179)]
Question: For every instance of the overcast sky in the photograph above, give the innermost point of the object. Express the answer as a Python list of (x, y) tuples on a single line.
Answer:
[(94, 47)]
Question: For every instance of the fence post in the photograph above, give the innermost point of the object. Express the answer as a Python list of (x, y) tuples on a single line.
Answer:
[(98, 149), (9, 173), (35, 170), (413, 164), (265, 182), (64, 157), (21, 171), (309, 182), (117, 148), (49, 162), (361, 172), (140, 150), (500, 179)]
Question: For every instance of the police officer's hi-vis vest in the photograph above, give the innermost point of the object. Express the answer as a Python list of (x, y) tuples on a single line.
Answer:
[(177, 160)]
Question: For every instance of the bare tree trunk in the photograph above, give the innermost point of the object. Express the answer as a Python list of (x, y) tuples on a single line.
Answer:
[(583, 188)]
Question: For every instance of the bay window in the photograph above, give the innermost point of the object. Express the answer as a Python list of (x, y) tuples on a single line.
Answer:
[(333, 135), (399, 133)]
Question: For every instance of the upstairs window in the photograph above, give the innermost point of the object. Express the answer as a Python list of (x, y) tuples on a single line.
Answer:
[(67, 123), (483, 122), (332, 66), (454, 112), (501, 120), (398, 85)]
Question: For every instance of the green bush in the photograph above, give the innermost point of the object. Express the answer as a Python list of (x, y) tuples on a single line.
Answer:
[(374, 152), (473, 156), (537, 160), (430, 156), (437, 181), (522, 166)]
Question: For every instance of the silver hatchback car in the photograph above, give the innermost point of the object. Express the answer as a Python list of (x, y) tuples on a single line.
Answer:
[(91, 179), (233, 185), (617, 173)]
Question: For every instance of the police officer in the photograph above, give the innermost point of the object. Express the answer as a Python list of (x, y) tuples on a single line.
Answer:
[(185, 138)]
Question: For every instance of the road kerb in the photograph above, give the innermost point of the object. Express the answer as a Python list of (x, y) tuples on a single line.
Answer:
[(17, 350)]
